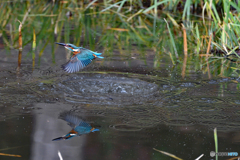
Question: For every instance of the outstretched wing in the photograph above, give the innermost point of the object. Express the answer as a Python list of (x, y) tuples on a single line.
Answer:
[(84, 124), (72, 119), (79, 61)]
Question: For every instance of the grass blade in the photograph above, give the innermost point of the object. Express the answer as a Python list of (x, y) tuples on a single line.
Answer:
[(168, 154), (172, 40), (216, 142)]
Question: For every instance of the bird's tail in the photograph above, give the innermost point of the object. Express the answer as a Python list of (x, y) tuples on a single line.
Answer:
[(94, 129), (98, 55)]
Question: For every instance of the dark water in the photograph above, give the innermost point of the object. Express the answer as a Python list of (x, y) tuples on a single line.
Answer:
[(136, 107)]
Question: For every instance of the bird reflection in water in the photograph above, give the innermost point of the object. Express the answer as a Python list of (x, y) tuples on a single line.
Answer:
[(79, 127)]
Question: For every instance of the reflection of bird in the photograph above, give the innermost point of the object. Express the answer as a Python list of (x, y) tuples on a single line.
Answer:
[(81, 58), (79, 127)]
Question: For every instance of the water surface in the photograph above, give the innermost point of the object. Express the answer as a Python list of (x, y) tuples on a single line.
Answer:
[(136, 107)]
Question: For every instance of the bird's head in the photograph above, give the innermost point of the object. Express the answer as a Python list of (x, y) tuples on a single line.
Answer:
[(68, 46), (70, 135)]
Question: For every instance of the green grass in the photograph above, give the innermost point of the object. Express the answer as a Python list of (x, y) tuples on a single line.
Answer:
[(216, 142)]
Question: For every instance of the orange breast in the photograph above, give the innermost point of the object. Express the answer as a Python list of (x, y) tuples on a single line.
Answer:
[(73, 132), (76, 52)]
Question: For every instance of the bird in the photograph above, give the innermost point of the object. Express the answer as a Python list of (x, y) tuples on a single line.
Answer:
[(79, 127), (81, 57)]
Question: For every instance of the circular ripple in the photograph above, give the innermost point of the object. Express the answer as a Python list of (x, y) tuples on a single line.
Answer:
[(179, 122), (125, 127)]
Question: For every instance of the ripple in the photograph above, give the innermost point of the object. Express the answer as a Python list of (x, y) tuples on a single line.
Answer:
[(125, 127), (179, 122), (108, 89)]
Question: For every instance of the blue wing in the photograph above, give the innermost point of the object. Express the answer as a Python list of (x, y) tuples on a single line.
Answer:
[(72, 119), (84, 124), (83, 128), (80, 60), (75, 65), (77, 124)]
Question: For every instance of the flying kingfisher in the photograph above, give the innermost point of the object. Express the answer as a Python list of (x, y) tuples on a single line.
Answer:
[(79, 127), (81, 58)]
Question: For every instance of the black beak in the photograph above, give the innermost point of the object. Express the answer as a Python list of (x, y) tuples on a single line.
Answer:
[(62, 44), (58, 139)]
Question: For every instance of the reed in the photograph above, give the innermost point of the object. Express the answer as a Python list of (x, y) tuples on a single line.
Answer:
[(184, 40), (33, 48), (20, 45), (168, 154), (10, 155)]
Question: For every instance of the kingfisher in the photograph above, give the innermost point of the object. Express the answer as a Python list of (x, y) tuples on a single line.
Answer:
[(79, 127), (81, 57)]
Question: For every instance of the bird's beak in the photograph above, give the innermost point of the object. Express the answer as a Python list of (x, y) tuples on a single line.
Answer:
[(58, 139), (66, 46), (62, 44)]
